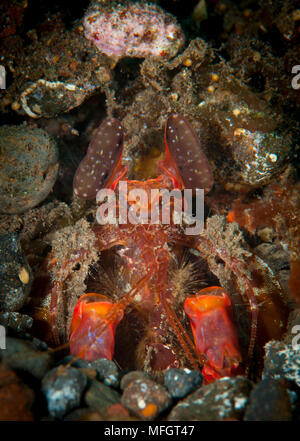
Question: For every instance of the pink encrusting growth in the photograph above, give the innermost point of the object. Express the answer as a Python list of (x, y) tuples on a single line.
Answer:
[(133, 30), (102, 158), (184, 146)]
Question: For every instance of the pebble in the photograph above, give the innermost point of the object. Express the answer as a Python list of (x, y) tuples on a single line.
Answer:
[(14, 289), (63, 388), (277, 257), (83, 414), (107, 371), (16, 398), (145, 398), (180, 382), (100, 397), (282, 361), (269, 401), (23, 355), (116, 412), (260, 154), (29, 167), (77, 362), (89, 373), (16, 321), (274, 254), (224, 399), (132, 376)]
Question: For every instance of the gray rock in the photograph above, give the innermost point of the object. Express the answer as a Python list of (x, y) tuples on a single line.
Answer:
[(107, 371), (269, 401), (132, 376), (29, 167), (278, 260), (145, 398), (100, 397), (16, 321), (282, 361), (15, 274), (63, 388), (23, 355), (274, 254), (222, 400), (83, 414), (77, 362), (180, 382)]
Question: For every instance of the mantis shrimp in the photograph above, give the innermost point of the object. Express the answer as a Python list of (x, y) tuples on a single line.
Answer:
[(152, 318)]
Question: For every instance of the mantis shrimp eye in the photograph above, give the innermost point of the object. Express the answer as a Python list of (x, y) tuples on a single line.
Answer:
[(102, 159), (183, 145)]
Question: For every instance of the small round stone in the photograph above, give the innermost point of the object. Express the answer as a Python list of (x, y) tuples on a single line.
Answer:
[(29, 159), (145, 398), (26, 356), (16, 321), (15, 273), (180, 382), (269, 401), (132, 376), (107, 371), (74, 362), (63, 389), (100, 397), (282, 361), (224, 399)]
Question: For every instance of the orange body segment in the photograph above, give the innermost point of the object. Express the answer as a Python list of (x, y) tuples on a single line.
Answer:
[(93, 328), (214, 333)]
